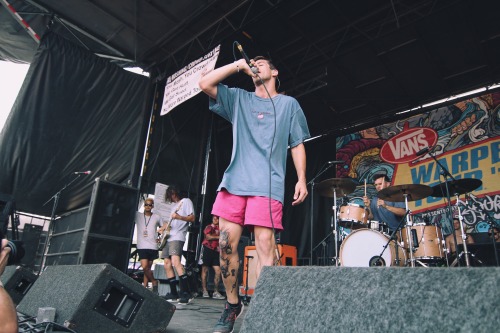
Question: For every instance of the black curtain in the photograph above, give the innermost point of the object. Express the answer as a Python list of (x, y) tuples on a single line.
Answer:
[(75, 112)]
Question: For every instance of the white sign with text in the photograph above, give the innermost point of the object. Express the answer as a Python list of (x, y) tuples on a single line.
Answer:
[(183, 85)]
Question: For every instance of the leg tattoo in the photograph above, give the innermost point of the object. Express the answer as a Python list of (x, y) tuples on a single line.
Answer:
[(225, 247)]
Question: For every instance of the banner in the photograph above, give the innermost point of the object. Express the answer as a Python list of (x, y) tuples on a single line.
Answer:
[(184, 84), (465, 139)]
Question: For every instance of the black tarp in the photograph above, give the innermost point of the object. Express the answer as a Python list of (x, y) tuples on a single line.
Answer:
[(75, 112)]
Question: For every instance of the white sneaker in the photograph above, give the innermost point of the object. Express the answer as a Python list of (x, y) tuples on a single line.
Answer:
[(205, 294), (217, 295)]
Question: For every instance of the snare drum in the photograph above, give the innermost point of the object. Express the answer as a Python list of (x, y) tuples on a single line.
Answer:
[(427, 242), (362, 247), (353, 216)]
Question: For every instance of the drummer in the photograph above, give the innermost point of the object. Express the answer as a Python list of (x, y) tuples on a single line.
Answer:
[(387, 212)]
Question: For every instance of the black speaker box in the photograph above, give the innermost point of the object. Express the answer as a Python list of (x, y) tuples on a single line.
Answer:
[(97, 298), (17, 282), (374, 299), (31, 239), (100, 233)]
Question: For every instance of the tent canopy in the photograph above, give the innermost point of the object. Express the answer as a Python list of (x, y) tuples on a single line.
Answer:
[(350, 63)]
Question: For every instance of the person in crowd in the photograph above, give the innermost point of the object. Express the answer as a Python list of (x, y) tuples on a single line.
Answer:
[(210, 257), (383, 211), (8, 314), (265, 124), (182, 214), (147, 237)]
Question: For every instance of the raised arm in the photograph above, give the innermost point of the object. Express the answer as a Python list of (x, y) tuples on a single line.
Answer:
[(208, 82), (299, 160)]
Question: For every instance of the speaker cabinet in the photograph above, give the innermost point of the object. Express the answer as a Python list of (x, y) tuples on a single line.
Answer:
[(31, 239), (374, 299), (17, 282), (97, 298), (288, 257), (100, 233)]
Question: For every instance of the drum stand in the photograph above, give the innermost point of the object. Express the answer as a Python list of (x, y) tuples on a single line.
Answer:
[(463, 235), (334, 225), (408, 233)]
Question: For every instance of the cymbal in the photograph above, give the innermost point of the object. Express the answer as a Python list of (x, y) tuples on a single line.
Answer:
[(459, 186), (342, 186), (397, 193)]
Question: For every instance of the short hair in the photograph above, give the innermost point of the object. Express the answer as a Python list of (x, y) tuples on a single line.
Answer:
[(150, 199), (380, 175), (269, 61)]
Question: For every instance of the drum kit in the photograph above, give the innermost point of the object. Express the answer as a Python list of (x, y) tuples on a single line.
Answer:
[(372, 243)]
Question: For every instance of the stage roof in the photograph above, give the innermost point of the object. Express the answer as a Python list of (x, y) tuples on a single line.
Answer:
[(350, 63)]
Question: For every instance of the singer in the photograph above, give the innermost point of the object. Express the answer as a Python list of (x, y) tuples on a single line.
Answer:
[(264, 124), (383, 211)]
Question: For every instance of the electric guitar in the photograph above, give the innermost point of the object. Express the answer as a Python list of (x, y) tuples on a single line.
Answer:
[(166, 232)]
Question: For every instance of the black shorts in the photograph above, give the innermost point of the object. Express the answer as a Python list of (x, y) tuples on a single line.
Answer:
[(209, 257), (147, 254)]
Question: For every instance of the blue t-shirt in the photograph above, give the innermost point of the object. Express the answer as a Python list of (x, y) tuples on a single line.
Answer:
[(383, 215), (253, 125)]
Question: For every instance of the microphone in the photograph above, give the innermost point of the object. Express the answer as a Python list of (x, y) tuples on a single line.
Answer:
[(247, 59), (376, 261), (335, 162), (83, 172), (423, 151)]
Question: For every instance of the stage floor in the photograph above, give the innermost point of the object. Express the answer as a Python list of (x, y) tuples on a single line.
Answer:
[(200, 315)]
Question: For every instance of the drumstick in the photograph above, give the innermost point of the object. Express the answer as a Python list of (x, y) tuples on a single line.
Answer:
[(365, 187)]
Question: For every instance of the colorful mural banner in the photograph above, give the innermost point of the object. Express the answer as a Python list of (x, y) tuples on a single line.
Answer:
[(464, 137)]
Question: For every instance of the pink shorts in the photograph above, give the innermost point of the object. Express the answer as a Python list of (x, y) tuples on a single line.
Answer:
[(248, 210)]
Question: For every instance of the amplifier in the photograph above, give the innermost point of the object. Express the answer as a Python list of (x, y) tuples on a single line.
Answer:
[(287, 255)]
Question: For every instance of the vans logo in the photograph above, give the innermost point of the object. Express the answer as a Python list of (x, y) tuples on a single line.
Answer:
[(402, 148)]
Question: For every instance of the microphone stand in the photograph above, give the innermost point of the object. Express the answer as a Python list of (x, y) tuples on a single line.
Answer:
[(311, 182), (378, 260), (445, 173), (56, 197)]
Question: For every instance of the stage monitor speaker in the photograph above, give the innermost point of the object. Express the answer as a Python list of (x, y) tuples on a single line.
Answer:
[(17, 281), (374, 299), (97, 298), (100, 233), (288, 257)]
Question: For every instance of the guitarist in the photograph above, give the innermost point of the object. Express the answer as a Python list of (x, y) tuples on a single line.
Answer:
[(147, 225), (182, 214)]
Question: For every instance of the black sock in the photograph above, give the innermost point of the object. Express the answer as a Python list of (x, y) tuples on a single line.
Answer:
[(183, 283), (173, 286)]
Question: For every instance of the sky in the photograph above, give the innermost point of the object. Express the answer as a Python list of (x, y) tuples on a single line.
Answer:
[(11, 78)]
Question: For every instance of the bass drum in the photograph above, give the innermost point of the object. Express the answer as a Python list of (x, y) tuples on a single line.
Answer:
[(362, 248)]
